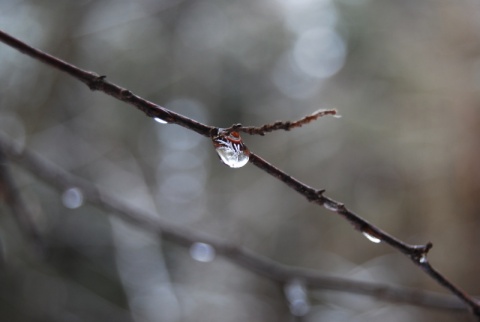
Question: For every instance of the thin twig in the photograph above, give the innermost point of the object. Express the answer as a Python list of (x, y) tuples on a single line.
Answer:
[(417, 253), (282, 125), (263, 266)]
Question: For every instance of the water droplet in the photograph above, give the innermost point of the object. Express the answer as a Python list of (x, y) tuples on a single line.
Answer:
[(371, 238), (159, 120), (72, 198), (330, 206), (230, 149), (338, 116), (202, 252), (296, 295), (423, 259)]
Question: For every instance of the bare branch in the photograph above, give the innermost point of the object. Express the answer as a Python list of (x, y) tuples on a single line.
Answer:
[(282, 125), (98, 83), (417, 253), (61, 180)]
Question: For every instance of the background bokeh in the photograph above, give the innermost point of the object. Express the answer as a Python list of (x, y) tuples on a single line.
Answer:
[(405, 76)]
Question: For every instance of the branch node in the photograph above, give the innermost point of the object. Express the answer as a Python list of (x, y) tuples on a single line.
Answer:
[(213, 132), (420, 252), (428, 246), (315, 195), (341, 208), (96, 83), (125, 94)]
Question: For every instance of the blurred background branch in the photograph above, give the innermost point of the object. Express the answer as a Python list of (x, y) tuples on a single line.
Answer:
[(404, 75), (255, 263), (236, 148)]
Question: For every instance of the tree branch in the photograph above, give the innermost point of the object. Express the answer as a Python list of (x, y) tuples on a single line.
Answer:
[(263, 266), (417, 253), (19, 208)]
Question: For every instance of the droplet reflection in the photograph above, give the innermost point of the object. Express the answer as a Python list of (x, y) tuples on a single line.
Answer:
[(231, 150), (159, 120), (202, 252), (296, 295), (423, 259), (330, 206), (371, 238), (72, 198)]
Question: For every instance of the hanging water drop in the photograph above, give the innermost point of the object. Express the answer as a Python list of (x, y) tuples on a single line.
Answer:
[(230, 149), (423, 259), (159, 120), (330, 206), (338, 116), (371, 237), (72, 198), (202, 252)]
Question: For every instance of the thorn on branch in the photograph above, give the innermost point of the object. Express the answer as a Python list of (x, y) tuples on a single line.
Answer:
[(315, 195), (420, 252), (341, 208)]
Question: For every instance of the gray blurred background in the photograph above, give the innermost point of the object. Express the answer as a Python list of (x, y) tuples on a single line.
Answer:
[(405, 76)]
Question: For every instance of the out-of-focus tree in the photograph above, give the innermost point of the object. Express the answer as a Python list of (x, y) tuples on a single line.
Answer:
[(404, 75)]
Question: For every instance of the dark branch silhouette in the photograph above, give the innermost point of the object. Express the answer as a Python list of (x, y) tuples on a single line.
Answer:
[(417, 253)]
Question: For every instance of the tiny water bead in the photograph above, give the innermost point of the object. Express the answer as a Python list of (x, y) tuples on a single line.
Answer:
[(202, 252), (296, 294), (423, 259), (231, 149), (371, 238), (159, 120), (72, 198), (332, 206)]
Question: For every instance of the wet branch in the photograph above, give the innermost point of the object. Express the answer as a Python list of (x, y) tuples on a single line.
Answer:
[(60, 179), (417, 253)]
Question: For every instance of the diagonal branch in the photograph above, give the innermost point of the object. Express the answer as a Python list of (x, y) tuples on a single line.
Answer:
[(263, 266), (98, 83), (417, 253)]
